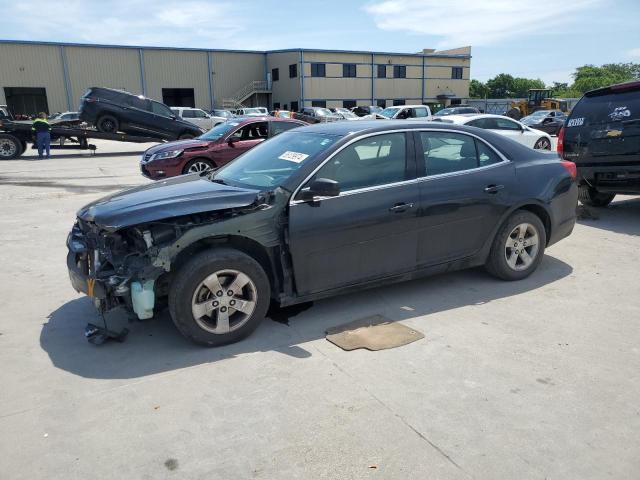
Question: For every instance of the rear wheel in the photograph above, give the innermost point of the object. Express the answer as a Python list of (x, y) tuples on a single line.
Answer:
[(591, 197), (219, 296), (543, 144), (518, 247), (107, 124), (198, 165), (10, 147)]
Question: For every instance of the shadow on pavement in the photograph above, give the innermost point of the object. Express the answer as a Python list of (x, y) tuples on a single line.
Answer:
[(620, 216), (80, 154), (155, 346)]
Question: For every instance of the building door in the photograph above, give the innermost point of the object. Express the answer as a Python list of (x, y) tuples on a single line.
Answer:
[(26, 101), (178, 97)]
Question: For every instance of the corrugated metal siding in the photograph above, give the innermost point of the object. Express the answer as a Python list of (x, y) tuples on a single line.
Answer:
[(177, 69), (232, 71), (102, 67), (34, 66)]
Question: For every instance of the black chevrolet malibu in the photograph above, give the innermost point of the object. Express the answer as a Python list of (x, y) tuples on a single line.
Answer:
[(320, 211)]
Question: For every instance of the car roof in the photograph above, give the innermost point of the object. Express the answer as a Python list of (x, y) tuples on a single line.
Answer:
[(371, 126), (264, 118), (467, 117)]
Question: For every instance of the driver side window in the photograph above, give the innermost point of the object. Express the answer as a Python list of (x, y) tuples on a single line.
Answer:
[(253, 131), (369, 162)]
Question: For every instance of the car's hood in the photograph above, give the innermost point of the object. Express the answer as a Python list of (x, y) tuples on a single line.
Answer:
[(178, 145), (183, 195)]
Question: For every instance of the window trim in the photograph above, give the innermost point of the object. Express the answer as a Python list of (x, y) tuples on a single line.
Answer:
[(411, 159), (423, 178)]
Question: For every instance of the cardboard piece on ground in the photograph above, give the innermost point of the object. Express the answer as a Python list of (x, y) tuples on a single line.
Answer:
[(373, 333)]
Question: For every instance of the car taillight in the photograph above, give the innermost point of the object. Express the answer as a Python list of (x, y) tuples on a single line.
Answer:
[(571, 168), (560, 147)]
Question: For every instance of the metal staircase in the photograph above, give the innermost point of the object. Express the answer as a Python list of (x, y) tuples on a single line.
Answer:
[(235, 101)]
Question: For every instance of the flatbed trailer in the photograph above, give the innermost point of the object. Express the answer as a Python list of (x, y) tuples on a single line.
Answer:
[(15, 137)]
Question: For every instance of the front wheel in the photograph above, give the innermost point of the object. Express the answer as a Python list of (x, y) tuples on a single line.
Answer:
[(107, 124), (198, 165), (10, 147), (591, 197), (518, 247), (543, 144), (219, 296)]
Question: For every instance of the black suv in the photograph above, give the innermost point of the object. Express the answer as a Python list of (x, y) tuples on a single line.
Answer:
[(602, 137), (114, 111)]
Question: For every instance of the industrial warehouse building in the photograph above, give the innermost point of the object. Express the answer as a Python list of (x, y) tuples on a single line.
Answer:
[(52, 77)]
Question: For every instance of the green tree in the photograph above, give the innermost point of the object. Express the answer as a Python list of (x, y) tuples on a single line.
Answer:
[(521, 86), (500, 86), (589, 77), (477, 89)]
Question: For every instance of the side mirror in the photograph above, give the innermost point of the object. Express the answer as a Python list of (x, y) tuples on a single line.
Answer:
[(232, 140), (321, 187)]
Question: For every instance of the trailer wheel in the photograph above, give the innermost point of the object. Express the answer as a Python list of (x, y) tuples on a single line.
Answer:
[(107, 124), (10, 147)]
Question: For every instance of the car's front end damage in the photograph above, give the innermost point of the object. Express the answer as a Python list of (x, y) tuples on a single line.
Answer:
[(122, 249)]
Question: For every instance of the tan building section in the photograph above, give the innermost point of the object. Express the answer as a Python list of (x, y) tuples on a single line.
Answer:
[(54, 76), (25, 66), (167, 69), (232, 71), (285, 90), (102, 67)]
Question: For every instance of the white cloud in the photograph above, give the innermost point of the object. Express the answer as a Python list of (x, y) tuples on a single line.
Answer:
[(634, 53), (138, 22), (475, 23)]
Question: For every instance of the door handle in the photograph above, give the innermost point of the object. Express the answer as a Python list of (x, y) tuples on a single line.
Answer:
[(493, 188), (401, 207)]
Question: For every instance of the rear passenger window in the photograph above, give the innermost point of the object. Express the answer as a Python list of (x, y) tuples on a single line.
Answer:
[(369, 162), (188, 114), (446, 152), (279, 127), (420, 112), (486, 155), (504, 124), (481, 123)]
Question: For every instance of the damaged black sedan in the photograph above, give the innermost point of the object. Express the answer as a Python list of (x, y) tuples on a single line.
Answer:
[(320, 211)]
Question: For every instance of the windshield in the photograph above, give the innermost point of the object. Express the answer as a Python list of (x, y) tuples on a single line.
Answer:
[(389, 112), (323, 112), (269, 164), (445, 111), (374, 109), (247, 111), (219, 131)]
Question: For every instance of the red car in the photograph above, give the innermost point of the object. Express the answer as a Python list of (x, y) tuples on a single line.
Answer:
[(213, 149)]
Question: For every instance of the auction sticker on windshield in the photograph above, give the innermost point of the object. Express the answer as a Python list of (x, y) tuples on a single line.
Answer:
[(293, 156)]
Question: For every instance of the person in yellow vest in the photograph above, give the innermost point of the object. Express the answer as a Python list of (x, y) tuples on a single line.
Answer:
[(42, 129)]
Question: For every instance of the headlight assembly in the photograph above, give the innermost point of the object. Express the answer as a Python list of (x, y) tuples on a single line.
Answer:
[(167, 154)]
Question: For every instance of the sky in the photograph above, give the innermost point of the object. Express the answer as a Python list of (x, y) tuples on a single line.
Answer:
[(544, 39)]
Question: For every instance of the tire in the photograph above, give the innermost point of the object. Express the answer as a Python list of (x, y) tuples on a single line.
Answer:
[(188, 294), (498, 264), (10, 147), (185, 136), (542, 144), (591, 197), (199, 165), (107, 124)]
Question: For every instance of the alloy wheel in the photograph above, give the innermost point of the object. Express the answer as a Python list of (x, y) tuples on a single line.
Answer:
[(522, 247), (224, 301), (543, 144), (198, 167)]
